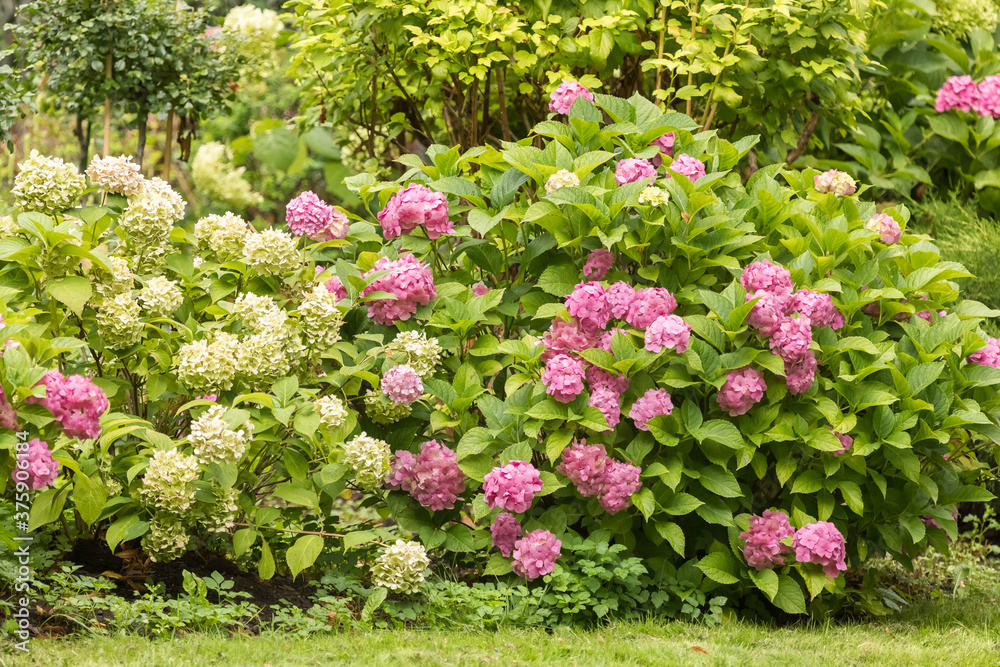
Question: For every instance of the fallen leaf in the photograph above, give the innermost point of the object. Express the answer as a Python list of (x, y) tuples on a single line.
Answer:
[(700, 649)]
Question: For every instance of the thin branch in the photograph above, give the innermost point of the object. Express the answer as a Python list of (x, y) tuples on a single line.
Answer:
[(803, 142)]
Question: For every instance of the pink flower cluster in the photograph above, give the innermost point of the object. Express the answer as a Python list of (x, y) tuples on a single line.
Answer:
[(512, 487), (742, 390), (563, 377), (506, 532), (818, 307), (606, 391), (665, 142), (75, 402), (763, 276), (413, 206), (432, 476), (334, 286), (633, 169), (886, 226), (535, 554), (8, 415), (688, 166), (598, 263), (308, 215), (649, 303), (402, 385), (987, 101), (620, 297), (588, 305), (958, 92), (668, 331), (565, 338), (480, 289), (562, 98), (835, 181), (989, 355), (408, 279), (594, 473), (653, 403), (821, 543), (39, 469), (762, 546), (845, 441)]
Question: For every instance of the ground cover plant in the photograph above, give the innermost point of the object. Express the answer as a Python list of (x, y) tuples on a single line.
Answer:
[(594, 361)]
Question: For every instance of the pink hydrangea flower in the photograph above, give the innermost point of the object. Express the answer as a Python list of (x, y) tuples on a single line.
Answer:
[(609, 402), (619, 297), (408, 279), (762, 545), (651, 404), (684, 164), (665, 142), (8, 415), (563, 377), (432, 477), (989, 355), (588, 304), (75, 402), (621, 480), (648, 304), (835, 181), (207, 397), (742, 390), (598, 377), (402, 385), (308, 215), (821, 543), (767, 312), (845, 441), (604, 340), (512, 487), (562, 98), (40, 471), (765, 276), (668, 331), (506, 532), (334, 286), (535, 554), (800, 372), (958, 92), (585, 466), (792, 337), (337, 227), (598, 263), (987, 100), (818, 307), (480, 289), (884, 224), (413, 206), (632, 169), (565, 338)]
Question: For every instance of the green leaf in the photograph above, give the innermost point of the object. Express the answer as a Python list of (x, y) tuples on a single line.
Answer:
[(556, 443), (89, 497), (720, 481), (852, 495), (303, 553), (285, 389), (720, 566), (243, 539), (790, 597), (720, 431), (498, 566), (47, 507), (125, 528), (766, 581), (673, 534), (460, 538), (559, 279), (372, 604), (297, 495), (265, 568), (681, 503), (73, 291), (949, 126), (474, 441), (357, 537)]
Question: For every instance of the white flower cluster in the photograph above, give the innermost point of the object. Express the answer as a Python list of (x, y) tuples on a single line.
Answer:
[(563, 178), (119, 280), (118, 322), (116, 174), (160, 297), (271, 252), (258, 312), (258, 28), (148, 219), (221, 516), (167, 538), (321, 319), (402, 567), (47, 184), (331, 410), (214, 441), (654, 196), (215, 177), (420, 352), (224, 234), (958, 18), (369, 458), (382, 410), (169, 481), (7, 226), (266, 356), (207, 367)]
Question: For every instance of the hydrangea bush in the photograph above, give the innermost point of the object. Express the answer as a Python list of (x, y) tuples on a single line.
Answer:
[(596, 333)]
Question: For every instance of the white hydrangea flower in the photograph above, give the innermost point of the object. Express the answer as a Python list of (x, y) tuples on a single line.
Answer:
[(958, 18), (169, 480), (654, 196), (167, 538), (7, 226), (115, 174), (215, 176), (263, 358), (120, 280), (148, 219), (271, 252), (258, 312), (258, 28), (422, 353), (369, 458), (205, 367), (561, 179), (401, 567), (47, 185), (160, 297), (118, 322), (221, 516), (331, 410), (197, 262), (225, 234), (383, 410), (321, 318), (214, 441)]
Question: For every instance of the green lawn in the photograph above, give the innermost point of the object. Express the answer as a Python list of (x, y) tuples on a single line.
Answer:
[(960, 632)]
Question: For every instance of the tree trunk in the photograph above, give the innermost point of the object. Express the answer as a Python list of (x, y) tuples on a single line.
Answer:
[(83, 140), (168, 153), (141, 148), (107, 109)]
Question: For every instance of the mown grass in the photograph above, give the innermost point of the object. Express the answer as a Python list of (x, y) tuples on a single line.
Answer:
[(955, 632)]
